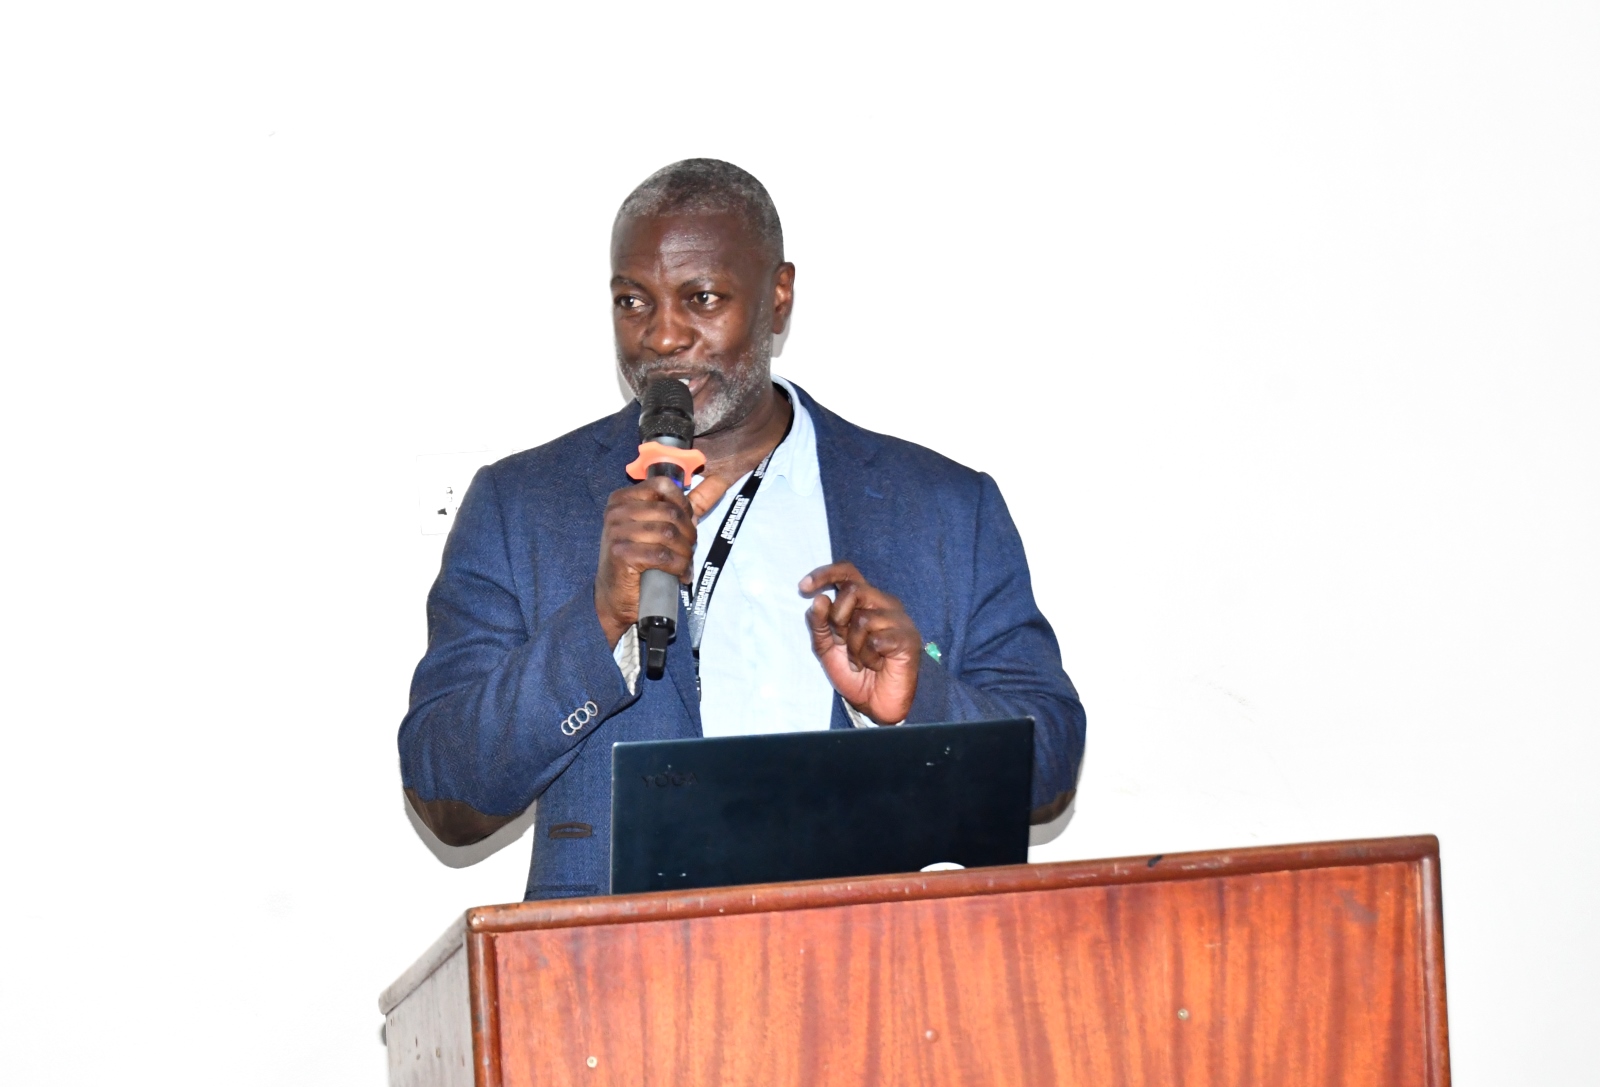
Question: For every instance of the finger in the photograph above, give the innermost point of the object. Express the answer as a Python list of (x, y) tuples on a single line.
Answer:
[(640, 556), (844, 576), (648, 552), (894, 639), (884, 635), (823, 637), (858, 643), (845, 602), (665, 486), (655, 491), (656, 488), (652, 516), (858, 596), (857, 635), (704, 497), (833, 575), (656, 533), (674, 497), (648, 504)]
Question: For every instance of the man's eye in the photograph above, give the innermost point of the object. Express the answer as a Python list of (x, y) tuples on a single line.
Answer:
[(628, 301), (704, 298)]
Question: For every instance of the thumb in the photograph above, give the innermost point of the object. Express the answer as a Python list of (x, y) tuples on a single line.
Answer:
[(707, 495)]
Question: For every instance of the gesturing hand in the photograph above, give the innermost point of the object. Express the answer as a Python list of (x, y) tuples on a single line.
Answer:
[(867, 644), (648, 526)]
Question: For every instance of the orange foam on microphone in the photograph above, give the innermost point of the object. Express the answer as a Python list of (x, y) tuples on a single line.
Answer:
[(689, 460)]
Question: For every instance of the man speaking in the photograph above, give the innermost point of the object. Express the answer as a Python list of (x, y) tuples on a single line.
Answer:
[(862, 580)]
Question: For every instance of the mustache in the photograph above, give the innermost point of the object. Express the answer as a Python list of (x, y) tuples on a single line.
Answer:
[(640, 374), (677, 369)]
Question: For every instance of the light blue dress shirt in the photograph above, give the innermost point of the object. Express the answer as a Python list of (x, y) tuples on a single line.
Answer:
[(757, 671)]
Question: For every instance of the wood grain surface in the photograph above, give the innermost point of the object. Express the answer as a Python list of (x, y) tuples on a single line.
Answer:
[(1294, 965), (807, 894)]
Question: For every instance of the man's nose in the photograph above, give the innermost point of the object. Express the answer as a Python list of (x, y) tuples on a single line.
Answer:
[(668, 333)]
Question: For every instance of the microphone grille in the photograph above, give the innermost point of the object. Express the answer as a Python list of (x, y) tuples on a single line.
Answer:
[(666, 410)]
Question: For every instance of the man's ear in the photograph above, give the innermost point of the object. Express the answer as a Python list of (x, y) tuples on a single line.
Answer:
[(782, 297)]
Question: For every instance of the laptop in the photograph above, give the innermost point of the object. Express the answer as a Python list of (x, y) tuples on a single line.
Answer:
[(815, 805)]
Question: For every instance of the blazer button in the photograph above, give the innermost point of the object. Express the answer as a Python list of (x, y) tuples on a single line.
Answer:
[(578, 718)]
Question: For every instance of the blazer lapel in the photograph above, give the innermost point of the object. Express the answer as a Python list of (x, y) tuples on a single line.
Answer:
[(859, 502), (606, 471)]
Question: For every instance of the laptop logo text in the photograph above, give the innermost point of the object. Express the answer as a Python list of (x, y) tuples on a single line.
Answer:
[(669, 778)]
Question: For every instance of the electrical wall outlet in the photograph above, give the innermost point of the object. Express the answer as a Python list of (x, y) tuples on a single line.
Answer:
[(442, 480)]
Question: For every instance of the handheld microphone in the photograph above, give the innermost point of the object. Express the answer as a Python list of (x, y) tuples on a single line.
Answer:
[(666, 448)]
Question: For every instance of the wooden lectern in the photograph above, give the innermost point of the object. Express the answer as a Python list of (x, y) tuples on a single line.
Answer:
[(1309, 964)]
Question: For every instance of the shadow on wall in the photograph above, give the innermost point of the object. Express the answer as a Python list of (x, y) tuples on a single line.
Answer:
[(467, 855), (464, 856), (1045, 833)]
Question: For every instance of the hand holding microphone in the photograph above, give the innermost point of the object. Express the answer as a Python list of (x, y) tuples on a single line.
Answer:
[(648, 536)]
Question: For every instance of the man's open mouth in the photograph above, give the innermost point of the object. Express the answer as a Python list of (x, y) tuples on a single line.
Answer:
[(696, 382)]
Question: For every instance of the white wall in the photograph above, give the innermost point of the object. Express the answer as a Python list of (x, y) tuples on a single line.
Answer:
[(1277, 325)]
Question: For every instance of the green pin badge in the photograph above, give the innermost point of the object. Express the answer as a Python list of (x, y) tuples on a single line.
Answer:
[(932, 649)]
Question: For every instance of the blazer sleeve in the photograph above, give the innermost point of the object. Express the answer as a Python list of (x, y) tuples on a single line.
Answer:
[(1008, 664), (497, 709)]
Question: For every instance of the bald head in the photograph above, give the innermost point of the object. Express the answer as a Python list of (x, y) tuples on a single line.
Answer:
[(708, 186)]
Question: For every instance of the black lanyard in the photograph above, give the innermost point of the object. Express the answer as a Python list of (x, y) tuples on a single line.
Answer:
[(699, 604)]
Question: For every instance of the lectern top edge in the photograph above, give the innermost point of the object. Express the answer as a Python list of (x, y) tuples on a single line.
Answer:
[(1010, 879), (816, 894), (445, 946)]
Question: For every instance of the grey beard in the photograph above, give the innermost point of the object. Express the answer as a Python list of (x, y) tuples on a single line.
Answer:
[(733, 398)]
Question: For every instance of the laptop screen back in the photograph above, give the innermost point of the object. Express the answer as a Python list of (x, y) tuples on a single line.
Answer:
[(812, 805)]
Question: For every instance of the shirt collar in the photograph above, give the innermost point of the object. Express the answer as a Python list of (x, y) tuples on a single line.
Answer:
[(795, 459)]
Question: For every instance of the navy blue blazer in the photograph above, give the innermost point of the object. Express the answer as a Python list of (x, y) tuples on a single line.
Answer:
[(515, 647)]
